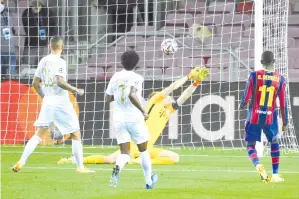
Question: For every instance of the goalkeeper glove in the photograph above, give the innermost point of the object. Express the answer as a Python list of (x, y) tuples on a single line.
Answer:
[(202, 74), (194, 73)]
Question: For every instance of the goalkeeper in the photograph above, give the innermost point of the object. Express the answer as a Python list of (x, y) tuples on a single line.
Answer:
[(159, 108)]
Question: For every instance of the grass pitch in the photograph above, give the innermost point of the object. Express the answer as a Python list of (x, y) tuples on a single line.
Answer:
[(200, 174)]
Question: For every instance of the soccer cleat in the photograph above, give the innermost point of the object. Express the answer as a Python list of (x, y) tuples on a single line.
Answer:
[(17, 167), (115, 176), (262, 171), (65, 161), (276, 178), (85, 170), (154, 181)]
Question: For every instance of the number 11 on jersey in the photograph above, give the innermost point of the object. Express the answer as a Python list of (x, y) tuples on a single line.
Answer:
[(264, 90)]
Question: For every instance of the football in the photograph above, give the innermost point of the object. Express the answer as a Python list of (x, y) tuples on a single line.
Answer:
[(169, 46)]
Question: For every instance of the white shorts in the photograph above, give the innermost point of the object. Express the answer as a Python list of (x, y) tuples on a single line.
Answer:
[(64, 117), (127, 131)]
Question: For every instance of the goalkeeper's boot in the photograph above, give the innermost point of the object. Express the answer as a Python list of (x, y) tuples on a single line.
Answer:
[(154, 181), (17, 167), (65, 160), (115, 176), (262, 171), (276, 178), (85, 170)]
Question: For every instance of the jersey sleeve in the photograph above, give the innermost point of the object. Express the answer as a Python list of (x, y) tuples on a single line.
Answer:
[(283, 101), (109, 90), (38, 71), (247, 92), (61, 70)]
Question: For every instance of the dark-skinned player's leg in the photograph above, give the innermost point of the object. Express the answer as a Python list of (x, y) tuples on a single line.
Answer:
[(271, 132), (146, 163), (253, 134), (121, 161)]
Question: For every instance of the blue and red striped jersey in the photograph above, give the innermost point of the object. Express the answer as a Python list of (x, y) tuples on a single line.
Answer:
[(262, 89)]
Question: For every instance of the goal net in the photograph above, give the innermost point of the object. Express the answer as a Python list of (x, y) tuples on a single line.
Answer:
[(218, 34)]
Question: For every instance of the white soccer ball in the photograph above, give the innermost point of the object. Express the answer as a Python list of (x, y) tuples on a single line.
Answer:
[(169, 46)]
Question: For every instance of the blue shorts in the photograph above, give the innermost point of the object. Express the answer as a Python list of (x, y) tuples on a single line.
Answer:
[(253, 132)]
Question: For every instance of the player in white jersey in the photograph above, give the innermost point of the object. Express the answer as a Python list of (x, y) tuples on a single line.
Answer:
[(125, 88), (56, 108)]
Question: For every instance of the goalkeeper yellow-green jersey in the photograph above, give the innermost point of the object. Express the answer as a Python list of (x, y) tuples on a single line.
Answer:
[(159, 114)]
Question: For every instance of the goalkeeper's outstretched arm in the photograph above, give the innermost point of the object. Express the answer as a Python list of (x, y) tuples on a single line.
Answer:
[(197, 74), (201, 74), (175, 85), (186, 94)]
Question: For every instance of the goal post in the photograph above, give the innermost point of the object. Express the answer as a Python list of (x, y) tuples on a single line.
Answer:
[(225, 36)]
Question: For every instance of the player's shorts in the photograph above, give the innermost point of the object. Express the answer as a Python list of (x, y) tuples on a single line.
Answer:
[(127, 131), (64, 117), (253, 132)]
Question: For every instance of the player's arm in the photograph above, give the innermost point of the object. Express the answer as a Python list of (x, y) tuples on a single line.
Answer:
[(60, 81), (283, 103), (37, 79), (66, 86), (198, 74), (37, 87), (201, 74), (175, 85), (134, 99), (109, 97), (247, 92)]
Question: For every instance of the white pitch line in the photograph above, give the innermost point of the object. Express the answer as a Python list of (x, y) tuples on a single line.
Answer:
[(162, 170), (183, 155)]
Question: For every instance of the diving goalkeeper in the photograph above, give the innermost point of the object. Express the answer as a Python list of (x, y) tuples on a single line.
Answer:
[(159, 108)]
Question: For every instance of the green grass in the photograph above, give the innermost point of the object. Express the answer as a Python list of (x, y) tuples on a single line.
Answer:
[(200, 174)]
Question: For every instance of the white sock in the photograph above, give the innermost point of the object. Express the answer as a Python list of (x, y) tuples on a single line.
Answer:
[(146, 166), (74, 160), (78, 153), (29, 148), (122, 160)]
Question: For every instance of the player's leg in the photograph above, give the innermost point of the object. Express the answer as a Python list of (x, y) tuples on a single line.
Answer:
[(162, 156), (44, 122), (30, 147), (101, 159), (139, 134), (146, 164), (123, 138), (92, 159), (120, 163), (158, 156), (271, 134), (67, 122), (275, 155), (77, 150), (253, 134)]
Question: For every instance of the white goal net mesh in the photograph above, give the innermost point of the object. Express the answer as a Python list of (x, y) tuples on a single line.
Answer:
[(217, 34)]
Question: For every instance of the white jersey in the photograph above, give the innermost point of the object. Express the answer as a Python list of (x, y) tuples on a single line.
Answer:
[(119, 87), (48, 68)]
